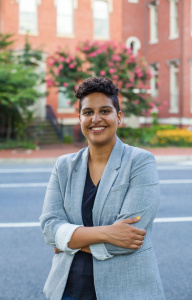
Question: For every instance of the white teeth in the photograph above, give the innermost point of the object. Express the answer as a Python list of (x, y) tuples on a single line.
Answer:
[(98, 128)]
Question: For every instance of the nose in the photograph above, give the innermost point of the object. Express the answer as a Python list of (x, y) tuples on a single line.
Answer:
[(96, 118)]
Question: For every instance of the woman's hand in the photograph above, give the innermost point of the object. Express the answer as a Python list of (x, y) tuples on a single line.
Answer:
[(122, 234)]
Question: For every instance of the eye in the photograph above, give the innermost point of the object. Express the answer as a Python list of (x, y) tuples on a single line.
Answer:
[(105, 111), (88, 113)]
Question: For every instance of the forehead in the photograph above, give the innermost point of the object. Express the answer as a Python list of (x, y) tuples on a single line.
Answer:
[(96, 100)]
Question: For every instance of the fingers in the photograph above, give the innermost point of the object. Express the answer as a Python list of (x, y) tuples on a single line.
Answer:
[(56, 250), (132, 220)]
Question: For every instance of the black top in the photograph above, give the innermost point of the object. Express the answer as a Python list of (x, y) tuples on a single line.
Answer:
[(80, 283)]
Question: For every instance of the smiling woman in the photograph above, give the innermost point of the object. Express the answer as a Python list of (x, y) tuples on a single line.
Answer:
[(99, 208)]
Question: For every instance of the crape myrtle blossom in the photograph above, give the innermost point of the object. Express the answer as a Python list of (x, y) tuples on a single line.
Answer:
[(108, 59)]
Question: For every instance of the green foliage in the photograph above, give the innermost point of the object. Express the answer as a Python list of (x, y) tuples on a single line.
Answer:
[(18, 82), (141, 136), (68, 139), (12, 144)]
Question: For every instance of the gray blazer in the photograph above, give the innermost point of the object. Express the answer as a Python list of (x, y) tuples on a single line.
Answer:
[(128, 188)]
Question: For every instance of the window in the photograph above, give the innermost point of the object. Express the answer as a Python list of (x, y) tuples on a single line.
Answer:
[(133, 1), (153, 23), (154, 80), (65, 17), (28, 16), (174, 27), (174, 89), (133, 43), (63, 101), (191, 85), (101, 19)]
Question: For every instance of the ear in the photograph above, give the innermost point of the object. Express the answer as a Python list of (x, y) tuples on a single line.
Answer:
[(79, 116), (120, 115)]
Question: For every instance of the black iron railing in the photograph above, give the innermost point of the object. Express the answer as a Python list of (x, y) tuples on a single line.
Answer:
[(50, 116)]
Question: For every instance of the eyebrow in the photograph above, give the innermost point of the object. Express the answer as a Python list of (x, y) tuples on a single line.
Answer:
[(106, 106)]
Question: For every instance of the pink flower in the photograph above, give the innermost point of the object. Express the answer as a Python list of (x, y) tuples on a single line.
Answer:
[(102, 73), (65, 84), (118, 64), (49, 82), (165, 103), (76, 87), (136, 102), (111, 71), (60, 67), (51, 62), (61, 59), (86, 48), (128, 85), (115, 77), (152, 104), (116, 57), (72, 57), (120, 83), (71, 66), (110, 64), (129, 51), (57, 71), (68, 102), (123, 47), (68, 60), (132, 79), (149, 73), (92, 54)]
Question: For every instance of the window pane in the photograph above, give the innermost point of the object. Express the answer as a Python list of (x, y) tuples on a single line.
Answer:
[(27, 22), (100, 10), (64, 7), (27, 5), (101, 28), (64, 25), (62, 99)]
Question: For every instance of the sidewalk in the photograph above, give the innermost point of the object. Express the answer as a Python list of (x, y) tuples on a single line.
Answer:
[(49, 154)]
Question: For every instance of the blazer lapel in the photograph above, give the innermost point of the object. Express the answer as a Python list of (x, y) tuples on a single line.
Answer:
[(77, 187), (109, 175)]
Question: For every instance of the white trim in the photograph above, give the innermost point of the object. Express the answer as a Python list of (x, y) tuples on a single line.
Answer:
[(176, 181), (173, 34), (110, 6), (153, 23), (70, 110), (176, 219), (133, 1), (174, 89), (171, 120), (75, 4), (68, 121), (137, 43)]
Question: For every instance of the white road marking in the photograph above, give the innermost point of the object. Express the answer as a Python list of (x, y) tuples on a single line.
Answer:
[(19, 185), (162, 168), (9, 171), (44, 184), (37, 224), (175, 181)]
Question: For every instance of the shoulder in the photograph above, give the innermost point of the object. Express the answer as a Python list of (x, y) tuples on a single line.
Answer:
[(139, 156), (69, 160)]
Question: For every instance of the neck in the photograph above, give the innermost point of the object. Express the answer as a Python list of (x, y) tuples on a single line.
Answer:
[(99, 154)]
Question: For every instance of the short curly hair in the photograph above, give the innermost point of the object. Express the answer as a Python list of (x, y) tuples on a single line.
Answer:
[(98, 85)]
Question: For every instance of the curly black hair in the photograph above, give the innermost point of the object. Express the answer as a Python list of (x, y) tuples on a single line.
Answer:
[(98, 85)]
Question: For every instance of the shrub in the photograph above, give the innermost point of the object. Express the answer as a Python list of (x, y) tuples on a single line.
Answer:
[(178, 137)]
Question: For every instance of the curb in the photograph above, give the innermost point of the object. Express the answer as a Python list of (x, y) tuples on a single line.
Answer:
[(52, 160)]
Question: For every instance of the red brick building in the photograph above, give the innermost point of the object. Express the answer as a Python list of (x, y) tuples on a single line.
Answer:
[(160, 30)]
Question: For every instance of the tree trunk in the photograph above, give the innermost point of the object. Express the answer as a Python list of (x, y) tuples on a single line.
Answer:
[(9, 127)]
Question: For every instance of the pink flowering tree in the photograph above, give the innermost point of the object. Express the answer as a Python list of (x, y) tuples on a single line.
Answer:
[(130, 73), (65, 70)]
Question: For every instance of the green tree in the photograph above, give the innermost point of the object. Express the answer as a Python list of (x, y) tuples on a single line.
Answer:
[(18, 82)]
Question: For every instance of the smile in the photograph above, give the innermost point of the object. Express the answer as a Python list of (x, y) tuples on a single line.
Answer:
[(97, 129)]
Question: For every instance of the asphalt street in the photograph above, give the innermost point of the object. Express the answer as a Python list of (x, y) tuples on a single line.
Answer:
[(25, 259)]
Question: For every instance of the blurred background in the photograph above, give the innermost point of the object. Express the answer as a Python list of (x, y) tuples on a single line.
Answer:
[(47, 47)]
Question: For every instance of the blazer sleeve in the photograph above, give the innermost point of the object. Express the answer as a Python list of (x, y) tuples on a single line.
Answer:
[(54, 223), (142, 199)]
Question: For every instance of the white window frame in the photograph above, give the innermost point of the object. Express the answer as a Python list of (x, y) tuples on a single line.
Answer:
[(137, 43), (133, 1), (155, 73), (71, 35), (153, 7), (69, 108), (35, 32), (174, 34), (174, 92), (110, 10)]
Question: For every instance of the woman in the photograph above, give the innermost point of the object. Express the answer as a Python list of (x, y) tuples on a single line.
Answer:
[(92, 198)]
